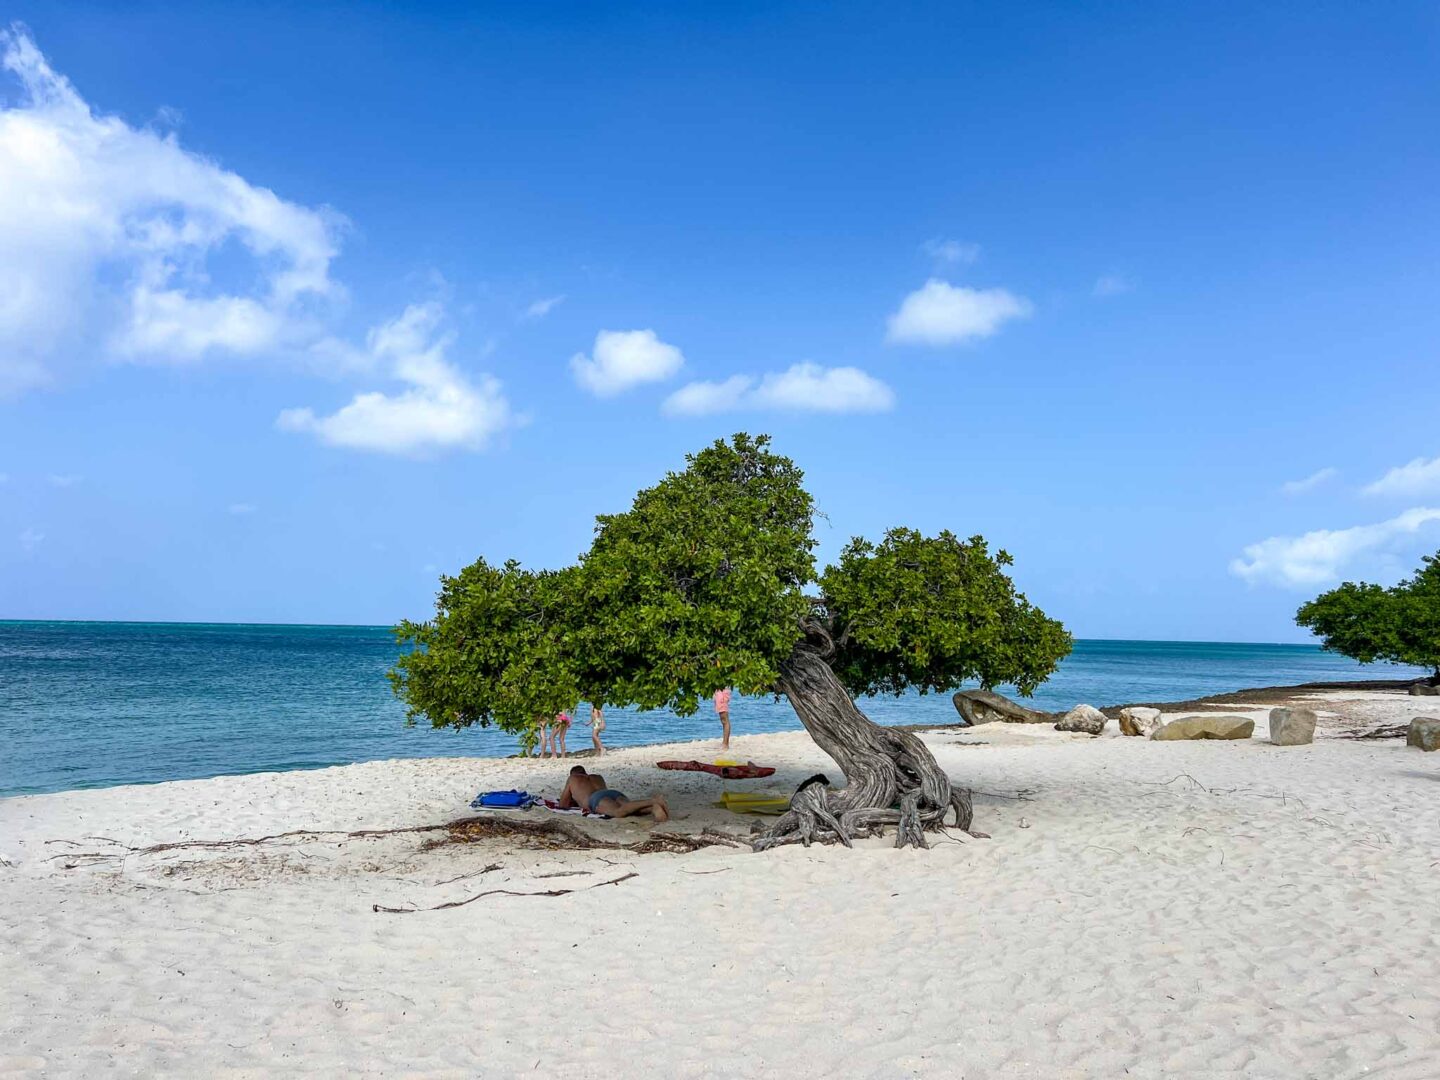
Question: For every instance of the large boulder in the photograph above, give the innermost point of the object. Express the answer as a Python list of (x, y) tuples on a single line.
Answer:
[(1206, 727), (1138, 720), (1424, 689), (1424, 732), (1082, 718), (1292, 727), (988, 707)]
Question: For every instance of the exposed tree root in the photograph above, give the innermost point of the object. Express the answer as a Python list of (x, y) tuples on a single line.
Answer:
[(246, 841), (891, 776), (538, 835), (562, 836)]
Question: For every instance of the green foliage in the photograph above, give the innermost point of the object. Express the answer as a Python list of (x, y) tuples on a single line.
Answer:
[(700, 585), (1355, 620), (1399, 625), (494, 653), (931, 612)]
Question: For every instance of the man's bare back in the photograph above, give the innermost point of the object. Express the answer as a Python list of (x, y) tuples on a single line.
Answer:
[(580, 786), (588, 791)]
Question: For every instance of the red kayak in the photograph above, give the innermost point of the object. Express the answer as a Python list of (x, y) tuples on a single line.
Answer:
[(749, 771)]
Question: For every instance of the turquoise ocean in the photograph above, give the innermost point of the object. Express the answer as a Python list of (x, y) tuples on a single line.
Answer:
[(86, 705)]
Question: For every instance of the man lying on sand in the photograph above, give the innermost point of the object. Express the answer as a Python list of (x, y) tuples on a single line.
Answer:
[(588, 790)]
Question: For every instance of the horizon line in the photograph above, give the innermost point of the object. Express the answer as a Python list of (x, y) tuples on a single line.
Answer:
[(391, 626)]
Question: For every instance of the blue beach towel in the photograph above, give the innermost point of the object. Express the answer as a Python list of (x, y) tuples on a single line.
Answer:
[(502, 800)]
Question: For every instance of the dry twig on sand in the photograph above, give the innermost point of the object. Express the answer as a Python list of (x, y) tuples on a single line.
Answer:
[(1386, 731), (474, 873), (380, 908)]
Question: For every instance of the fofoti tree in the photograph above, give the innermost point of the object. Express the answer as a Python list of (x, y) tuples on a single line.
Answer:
[(709, 580), (1398, 625)]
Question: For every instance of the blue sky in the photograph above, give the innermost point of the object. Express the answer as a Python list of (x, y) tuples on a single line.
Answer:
[(299, 309)]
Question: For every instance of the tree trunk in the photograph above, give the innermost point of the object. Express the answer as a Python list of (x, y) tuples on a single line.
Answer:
[(884, 768)]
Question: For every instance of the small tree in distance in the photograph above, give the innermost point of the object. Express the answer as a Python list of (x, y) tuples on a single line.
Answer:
[(1398, 625), (702, 584)]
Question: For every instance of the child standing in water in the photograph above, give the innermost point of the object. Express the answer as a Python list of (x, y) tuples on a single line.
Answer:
[(597, 725), (562, 727), (722, 710)]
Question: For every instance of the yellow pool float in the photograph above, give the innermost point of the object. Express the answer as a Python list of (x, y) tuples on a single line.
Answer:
[(754, 802)]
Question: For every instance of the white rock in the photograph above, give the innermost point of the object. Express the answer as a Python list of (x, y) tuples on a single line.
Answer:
[(1084, 718), (1138, 720)]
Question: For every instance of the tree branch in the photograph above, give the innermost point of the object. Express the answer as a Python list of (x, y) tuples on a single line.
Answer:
[(814, 628)]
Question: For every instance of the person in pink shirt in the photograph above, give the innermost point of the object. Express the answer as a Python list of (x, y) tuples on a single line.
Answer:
[(722, 710), (562, 728)]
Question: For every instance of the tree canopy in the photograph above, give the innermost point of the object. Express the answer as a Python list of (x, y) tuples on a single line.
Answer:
[(707, 581), (1398, 625)]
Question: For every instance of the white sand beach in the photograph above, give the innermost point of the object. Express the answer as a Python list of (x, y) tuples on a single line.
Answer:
[(1148, 909)]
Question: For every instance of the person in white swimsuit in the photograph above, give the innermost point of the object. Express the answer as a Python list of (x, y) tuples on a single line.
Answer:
[(597, 726)]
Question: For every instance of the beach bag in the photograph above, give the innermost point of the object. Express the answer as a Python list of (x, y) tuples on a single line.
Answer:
[(502, 800)]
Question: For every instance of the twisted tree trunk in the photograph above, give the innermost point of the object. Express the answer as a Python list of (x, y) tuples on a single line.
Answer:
[(891, 776)]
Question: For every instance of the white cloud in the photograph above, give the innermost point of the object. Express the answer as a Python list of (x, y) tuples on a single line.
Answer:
[(241, 508), (120, 244), (168, 324), (540, 308), (62, 480), (1311, 482), (1418, 477), (1320, 557), (951, 252), (625, 358), (1112, 285), (943, 314), (811, 388), (443, 409), (802, 388), (705, 398), (118, 241), (30, 539)]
